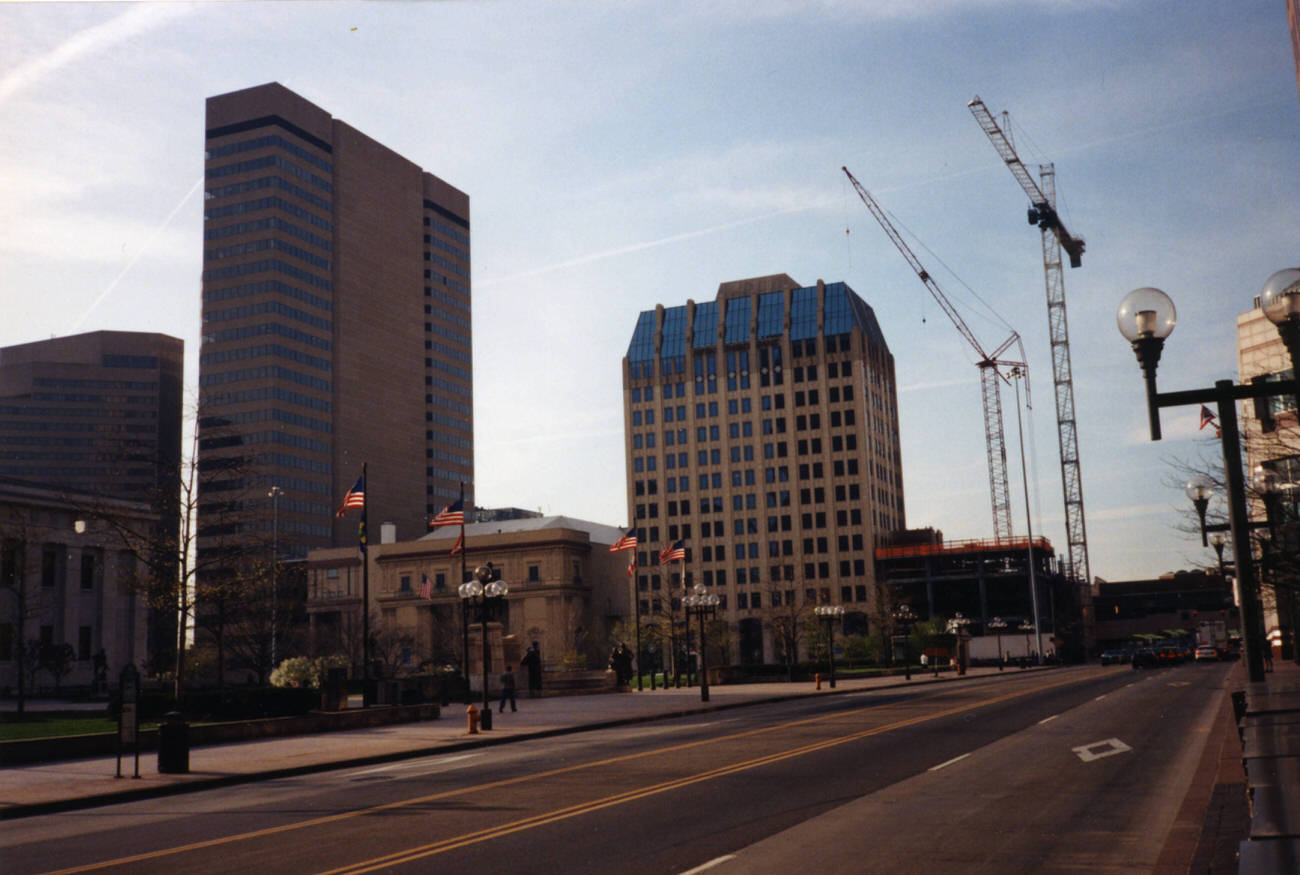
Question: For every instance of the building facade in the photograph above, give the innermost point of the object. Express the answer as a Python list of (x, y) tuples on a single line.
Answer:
[(567, 592), (100, 413), (762, 433), (982, 580), (69, 590), (1271, 436), (336, 322)]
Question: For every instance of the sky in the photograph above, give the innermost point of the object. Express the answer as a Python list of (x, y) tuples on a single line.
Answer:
[(620, 155)]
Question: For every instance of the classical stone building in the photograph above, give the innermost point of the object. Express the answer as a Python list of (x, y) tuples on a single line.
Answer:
[(566, 591), (67, 581)]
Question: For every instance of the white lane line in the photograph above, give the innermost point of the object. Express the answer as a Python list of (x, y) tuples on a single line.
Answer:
[(1102, 696), (415, 764), (709, 865), (1100, 749), (949, 763), (1048, 719)]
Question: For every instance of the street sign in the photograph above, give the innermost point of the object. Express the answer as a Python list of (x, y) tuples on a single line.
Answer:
[(128, 724)]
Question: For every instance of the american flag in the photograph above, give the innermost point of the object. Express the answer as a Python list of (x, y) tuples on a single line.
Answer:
[(1207, 418), (673, 552), (426, 588), (631, 569), (626, 542), (451, 515), (459, 546), (356, 497)]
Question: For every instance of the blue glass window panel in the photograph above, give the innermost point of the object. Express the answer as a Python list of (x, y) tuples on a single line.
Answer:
[(803, 314), (771, 314), (672, 351), (641, 351), (737, 328), (706, 324), (839, 310)]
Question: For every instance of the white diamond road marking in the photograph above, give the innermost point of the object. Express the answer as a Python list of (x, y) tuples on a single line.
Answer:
[(1100, 749)]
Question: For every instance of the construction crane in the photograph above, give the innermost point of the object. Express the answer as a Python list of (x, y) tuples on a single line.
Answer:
[(1055, 237), (988, 364)]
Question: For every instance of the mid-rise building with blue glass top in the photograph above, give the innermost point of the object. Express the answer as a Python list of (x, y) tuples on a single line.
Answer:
[(762, 430)]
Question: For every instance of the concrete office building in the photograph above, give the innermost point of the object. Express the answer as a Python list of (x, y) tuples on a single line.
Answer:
[(762, 431), (100, 414), (336, 321), (97, 413)]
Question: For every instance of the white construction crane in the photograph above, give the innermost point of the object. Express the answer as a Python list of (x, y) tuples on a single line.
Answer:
[(988, 364), (1055, 237)]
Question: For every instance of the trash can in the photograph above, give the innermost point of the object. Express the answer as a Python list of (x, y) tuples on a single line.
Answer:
[(173, 744), (335, 695)]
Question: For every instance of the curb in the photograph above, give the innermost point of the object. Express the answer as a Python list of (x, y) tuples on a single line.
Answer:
[(54, 806)]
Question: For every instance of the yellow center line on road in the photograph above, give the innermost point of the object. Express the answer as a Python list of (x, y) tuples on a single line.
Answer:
[(572, 811)]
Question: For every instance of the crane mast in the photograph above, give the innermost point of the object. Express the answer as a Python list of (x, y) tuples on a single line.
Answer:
[(990, 377), (1055, 237)]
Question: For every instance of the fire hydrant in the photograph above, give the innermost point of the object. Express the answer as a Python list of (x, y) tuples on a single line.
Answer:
[(818, 678), (472, 713)]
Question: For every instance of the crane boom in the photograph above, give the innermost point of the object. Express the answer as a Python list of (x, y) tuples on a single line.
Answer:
[(1042, 210), (994, 437), (1055, 237)]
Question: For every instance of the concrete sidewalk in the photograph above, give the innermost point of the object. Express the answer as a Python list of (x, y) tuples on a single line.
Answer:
[(61, 786)]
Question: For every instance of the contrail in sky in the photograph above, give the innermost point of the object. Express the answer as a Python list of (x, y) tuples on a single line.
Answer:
[(123, 27), (648, 244), (139, 252)]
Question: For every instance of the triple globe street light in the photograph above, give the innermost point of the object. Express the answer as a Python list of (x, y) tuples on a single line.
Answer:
[(1147, 316), (487, 596), (702, 604)]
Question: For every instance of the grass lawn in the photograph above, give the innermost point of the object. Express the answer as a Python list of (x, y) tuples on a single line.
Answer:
[(47, 724)]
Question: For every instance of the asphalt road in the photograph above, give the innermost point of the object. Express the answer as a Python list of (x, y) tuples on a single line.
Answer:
[(1078, 768)]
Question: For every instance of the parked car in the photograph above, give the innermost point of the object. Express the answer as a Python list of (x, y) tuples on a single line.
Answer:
[(1206, 653), (1113, 657), (1145, 658)]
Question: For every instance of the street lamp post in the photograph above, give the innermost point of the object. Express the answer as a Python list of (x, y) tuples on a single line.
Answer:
[(487, 595), (1026, 627), (702, 604), (998, 625), (904, 617), (1268, 486), (829, 614), (274, 494), (1146, 317), (957, 626)]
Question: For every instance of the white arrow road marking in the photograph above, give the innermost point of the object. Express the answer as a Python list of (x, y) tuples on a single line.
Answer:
[(1100, 749)]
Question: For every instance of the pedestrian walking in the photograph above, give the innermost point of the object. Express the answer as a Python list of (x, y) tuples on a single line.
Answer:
[(507, 690)]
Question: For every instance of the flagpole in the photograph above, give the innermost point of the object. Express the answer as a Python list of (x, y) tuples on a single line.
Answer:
[(464, 574), (365, 594), (636, 613)]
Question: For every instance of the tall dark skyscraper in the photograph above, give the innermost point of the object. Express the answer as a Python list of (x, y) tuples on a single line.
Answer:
[(336, 321), (762, 431)]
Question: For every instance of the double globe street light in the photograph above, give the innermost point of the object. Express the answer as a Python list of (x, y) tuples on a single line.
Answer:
[(1147, 316)]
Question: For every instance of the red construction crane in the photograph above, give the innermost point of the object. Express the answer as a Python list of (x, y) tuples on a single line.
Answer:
[(1042, 212), (988, 364)]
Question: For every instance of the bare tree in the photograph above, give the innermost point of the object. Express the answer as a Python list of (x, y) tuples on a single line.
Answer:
[(788, 621)]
